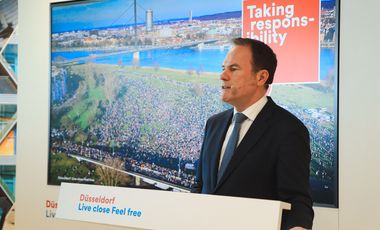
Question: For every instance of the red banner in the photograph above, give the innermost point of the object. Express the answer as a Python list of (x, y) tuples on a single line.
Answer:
[(291, 29)]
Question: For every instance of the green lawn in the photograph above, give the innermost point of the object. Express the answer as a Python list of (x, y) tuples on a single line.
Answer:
[(303, 96)]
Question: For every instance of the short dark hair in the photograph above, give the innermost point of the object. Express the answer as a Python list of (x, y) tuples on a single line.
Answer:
[(263, 56)]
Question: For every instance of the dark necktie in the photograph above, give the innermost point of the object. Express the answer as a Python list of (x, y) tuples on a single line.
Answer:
[(231, 144)]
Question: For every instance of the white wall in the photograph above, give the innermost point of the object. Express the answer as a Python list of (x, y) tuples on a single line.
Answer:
[(359, 127)]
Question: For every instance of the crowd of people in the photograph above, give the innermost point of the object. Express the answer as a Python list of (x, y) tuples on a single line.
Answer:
[(155, 125)]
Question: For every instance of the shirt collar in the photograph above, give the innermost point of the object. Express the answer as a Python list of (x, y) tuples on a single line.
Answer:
[(253, 110)]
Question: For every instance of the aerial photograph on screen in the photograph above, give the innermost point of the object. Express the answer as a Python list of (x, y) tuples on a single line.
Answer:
[(133, 86)]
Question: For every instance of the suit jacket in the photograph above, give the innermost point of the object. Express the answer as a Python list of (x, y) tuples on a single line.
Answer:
[(271, 162)]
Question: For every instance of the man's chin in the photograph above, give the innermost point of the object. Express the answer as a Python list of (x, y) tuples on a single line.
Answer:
[(225, 99)]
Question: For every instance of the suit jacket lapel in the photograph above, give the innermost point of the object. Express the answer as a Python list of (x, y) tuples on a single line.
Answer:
[(257, 129), (217, 137)]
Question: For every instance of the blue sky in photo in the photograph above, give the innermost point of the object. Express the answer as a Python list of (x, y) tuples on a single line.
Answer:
[(95, 14), (104, 13)]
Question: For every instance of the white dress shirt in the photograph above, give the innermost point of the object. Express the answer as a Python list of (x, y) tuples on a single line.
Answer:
[(251, 113)]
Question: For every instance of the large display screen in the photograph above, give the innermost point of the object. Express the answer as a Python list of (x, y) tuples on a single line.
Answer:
[(134, 81)]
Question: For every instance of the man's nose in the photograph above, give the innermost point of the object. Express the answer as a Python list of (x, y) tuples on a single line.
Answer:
[(224, 75)]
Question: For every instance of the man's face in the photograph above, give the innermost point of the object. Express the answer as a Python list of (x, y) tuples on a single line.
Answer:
[(240, 83)]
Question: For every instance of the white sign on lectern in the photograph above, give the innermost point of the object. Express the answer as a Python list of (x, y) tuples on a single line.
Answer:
[(152, 209)]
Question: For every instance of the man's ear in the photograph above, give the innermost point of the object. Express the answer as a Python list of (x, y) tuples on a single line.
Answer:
[(262, 77)]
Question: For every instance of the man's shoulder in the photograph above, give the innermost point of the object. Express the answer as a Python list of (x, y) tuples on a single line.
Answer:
[(221, 116), (283, 116)]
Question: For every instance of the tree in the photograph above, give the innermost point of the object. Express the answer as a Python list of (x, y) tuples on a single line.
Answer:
[(61, 165), (110, 174)]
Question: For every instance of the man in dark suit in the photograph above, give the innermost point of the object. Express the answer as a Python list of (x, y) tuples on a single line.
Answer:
[(257, 149)]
